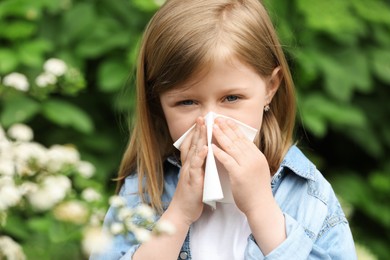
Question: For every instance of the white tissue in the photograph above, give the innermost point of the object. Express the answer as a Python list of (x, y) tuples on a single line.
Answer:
[(216, 181)]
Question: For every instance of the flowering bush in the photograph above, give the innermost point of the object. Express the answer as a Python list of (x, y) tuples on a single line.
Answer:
[(56, 76), (43, 189), (48, 194)]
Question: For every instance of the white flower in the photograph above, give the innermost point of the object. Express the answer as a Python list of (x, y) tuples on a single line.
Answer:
[(124, 213), (95, 240), (6, 181), (117, 228), (20, 132), (144, 211), (117, 201), (59, 182), (71, 211), (52, 191), (59, 155), (5, 146), (164, 227), (17, 81), (40, 200), (45, 79), (90, 195), (7, 167), (28, 187), (9, 196), (10, 250), (56, 67), (97, 217), (86, 169), (27, 155), (142, 235)]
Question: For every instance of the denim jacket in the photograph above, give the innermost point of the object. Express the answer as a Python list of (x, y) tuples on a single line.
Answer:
[(316, 226)]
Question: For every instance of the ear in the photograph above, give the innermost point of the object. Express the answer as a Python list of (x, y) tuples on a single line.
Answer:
[(273, 84)]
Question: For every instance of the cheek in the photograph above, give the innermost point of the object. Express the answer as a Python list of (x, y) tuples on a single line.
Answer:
[(253, 119), (256, 121), (178, 127)]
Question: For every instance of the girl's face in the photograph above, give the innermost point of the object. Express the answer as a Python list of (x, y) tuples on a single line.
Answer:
[(230, 88)]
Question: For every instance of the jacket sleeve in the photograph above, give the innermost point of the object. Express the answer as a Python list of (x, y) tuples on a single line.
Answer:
[(333, 242), (296, 246), (121, 246)]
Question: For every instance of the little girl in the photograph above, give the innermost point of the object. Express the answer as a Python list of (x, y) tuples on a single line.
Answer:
[(223, 56)]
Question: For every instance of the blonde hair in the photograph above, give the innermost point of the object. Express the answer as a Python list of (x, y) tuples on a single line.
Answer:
[(181, 40)]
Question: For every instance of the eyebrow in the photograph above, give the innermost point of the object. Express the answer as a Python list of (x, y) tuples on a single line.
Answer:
[(225, 89)]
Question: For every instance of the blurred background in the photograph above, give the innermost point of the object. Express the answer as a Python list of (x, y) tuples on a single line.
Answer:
[(339, 53)]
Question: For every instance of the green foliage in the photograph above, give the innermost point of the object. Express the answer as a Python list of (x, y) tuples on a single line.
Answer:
[(70, 115), (339, 53)]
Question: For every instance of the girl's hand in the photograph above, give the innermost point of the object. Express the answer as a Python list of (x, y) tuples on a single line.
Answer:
[(246, 165), (187, 200), (250, 180)]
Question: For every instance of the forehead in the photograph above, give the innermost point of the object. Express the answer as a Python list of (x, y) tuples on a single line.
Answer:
[(210, 64), (221, 75)]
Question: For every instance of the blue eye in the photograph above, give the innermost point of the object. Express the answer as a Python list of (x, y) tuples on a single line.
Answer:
[(186, 102), (231, 98)]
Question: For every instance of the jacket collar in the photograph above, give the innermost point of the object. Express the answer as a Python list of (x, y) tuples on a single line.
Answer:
[(298, 163)]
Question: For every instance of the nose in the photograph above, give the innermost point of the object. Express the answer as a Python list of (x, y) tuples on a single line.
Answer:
[(210, 108)]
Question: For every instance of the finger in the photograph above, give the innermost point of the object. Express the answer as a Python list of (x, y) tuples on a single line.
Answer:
[(228, 144), (203, 132), (185, 146), (194, 140), (191, 148), (224, 158), (230, 129), (230, 136), (196, 171)]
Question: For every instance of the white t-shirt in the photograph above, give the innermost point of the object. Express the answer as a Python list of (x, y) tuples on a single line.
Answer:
[(219, 234)]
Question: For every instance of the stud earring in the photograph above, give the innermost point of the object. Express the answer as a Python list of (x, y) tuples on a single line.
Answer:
[(266, 108)]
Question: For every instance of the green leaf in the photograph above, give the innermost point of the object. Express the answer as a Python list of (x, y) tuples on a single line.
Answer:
[(17, 30), (314, 121), (39, 224), (352, 188), (19, 8), (13, 226), (345, 115), (307, 68), (79, 21), (381, 35), (332, 16), (147, 5), (112, 75), (63, 232), (380, 64), (17, 109), (318, 112), (32, 53), (68, 115), (8, 60), (108, 34), (134, 50), (373, 11), (345, 72), (380, 181)]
